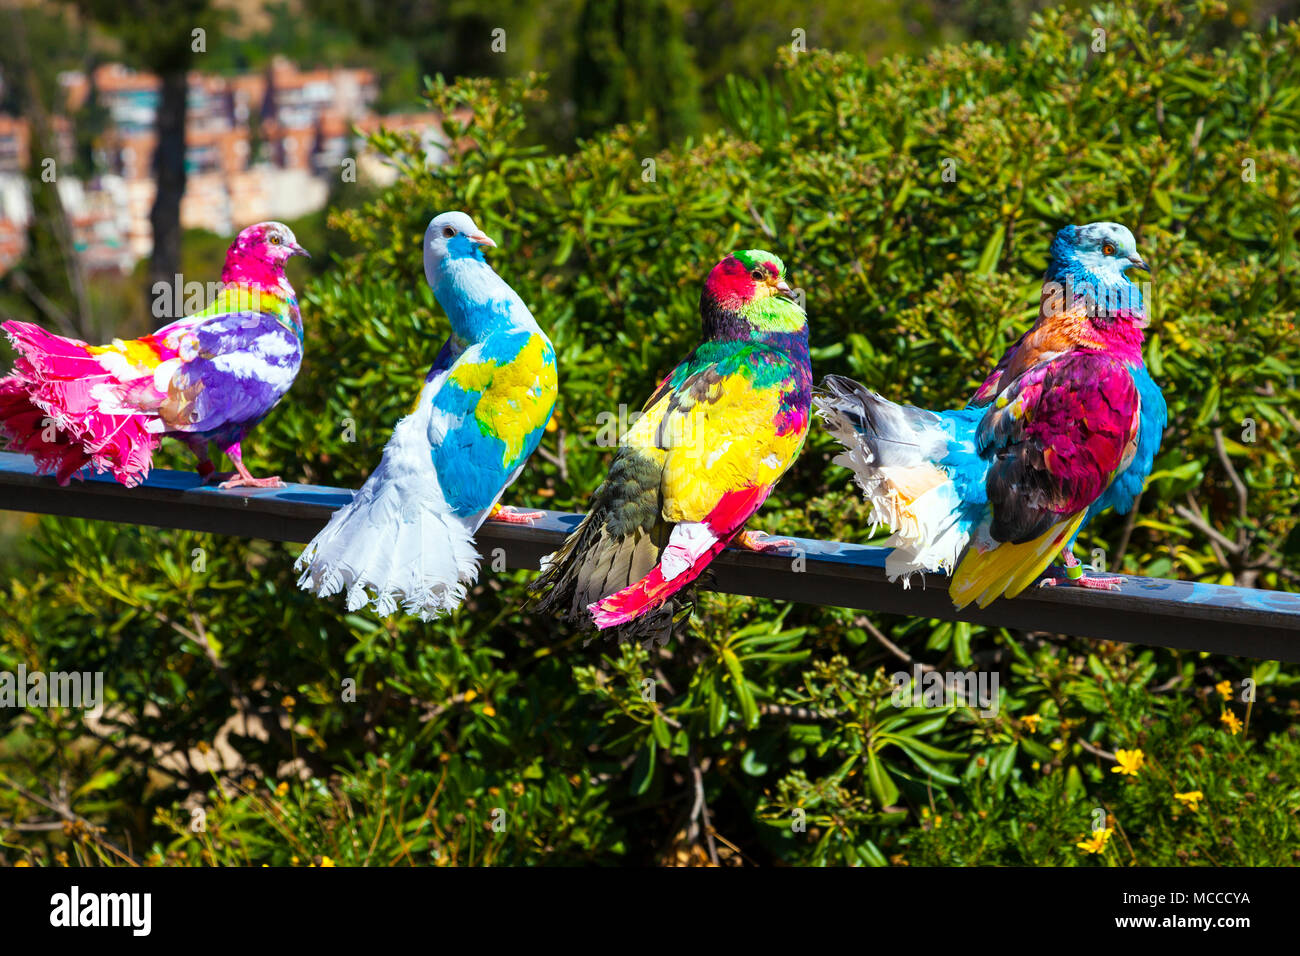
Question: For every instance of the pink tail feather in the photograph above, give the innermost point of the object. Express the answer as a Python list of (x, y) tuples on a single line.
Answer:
[(50, 408), (726, 520)]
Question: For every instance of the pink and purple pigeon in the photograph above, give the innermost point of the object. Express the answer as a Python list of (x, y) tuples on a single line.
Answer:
[(209, 377)]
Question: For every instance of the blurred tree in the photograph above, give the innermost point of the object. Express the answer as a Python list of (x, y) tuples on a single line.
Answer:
[(633, 64), (49, 277), (163, 37), (89, 123)]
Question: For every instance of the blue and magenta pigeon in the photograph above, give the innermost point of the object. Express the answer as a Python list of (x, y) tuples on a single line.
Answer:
[(1066, 426)]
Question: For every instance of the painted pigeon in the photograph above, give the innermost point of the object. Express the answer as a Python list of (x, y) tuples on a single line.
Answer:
[(1067, 425), (711, 444), (209, 377), (407, 537)]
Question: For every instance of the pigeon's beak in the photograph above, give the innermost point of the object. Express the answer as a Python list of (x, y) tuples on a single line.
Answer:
[(783, 289), (1139, 262), (297, 250), (479, 239)]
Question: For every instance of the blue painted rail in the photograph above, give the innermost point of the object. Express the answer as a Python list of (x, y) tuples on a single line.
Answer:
[(1242, 622)]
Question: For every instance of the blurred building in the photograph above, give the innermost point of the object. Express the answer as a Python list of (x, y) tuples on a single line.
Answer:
[(266, 145)]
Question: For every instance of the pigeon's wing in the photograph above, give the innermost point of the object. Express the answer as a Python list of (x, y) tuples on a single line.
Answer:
[(226, 368), (624, 530), (1056, 437), (728, 434), (489, 413), (1044, 342)]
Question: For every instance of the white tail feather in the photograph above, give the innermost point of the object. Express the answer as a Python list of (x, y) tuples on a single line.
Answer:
[(908, 493), (397, 543)]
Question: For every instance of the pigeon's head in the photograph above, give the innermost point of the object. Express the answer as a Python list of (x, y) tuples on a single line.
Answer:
[(272, 243), (258, 254), (749, 286), (1101, 251), (452, 236)]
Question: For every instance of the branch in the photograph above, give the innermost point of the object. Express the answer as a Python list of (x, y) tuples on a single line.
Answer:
[(700, 811), (1243, 496), (1129, 522), (66, 812), (44, 303), (1193, 517), (890, 645), (1096, 751)]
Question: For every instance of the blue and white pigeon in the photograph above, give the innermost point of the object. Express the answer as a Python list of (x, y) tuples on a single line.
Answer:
[(407, 537)]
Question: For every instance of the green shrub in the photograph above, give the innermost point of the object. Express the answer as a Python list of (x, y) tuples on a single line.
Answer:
[(770, 712)]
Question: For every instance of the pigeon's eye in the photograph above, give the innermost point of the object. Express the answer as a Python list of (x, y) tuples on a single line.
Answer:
[(448, 232), (758, 275), (1108, 249), (275, 240)]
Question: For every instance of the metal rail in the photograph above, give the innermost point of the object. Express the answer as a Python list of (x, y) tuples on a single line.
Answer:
[(1242, 622)]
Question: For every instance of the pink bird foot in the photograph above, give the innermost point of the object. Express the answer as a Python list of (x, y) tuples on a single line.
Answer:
[(1094, 584), (244, 479), (760, 542), (512, 515), (1074, 577)]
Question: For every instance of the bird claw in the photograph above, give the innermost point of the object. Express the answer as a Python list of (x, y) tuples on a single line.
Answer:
[(1109, 583), (1101, 584), (512, 515), (248, 481), (759, 542)]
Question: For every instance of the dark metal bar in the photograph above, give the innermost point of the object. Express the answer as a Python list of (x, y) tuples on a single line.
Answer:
[(1241, 622)]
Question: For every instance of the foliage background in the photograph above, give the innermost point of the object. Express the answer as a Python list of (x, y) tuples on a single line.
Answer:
[(914, 285)]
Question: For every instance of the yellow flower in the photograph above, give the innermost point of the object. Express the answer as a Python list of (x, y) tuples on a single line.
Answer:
[(1224, 687), (1097, 842), (23, 863), (1129, 762), (1230, 721), (1191, 799), (287, 702), (489, 710), (281, 789), (326, 861), (1031, 722), (470, 695)]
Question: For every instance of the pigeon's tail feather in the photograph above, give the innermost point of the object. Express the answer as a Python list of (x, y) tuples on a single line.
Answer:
[(691, 547), (61, 406), (909, 463), (1009, 568), (396, 544)]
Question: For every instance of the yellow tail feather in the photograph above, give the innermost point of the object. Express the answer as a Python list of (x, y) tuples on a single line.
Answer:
[(1009, 568)]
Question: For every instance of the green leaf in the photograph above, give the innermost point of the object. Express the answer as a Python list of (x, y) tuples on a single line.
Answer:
[(992, 252), (643, 770), (881, 785)]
